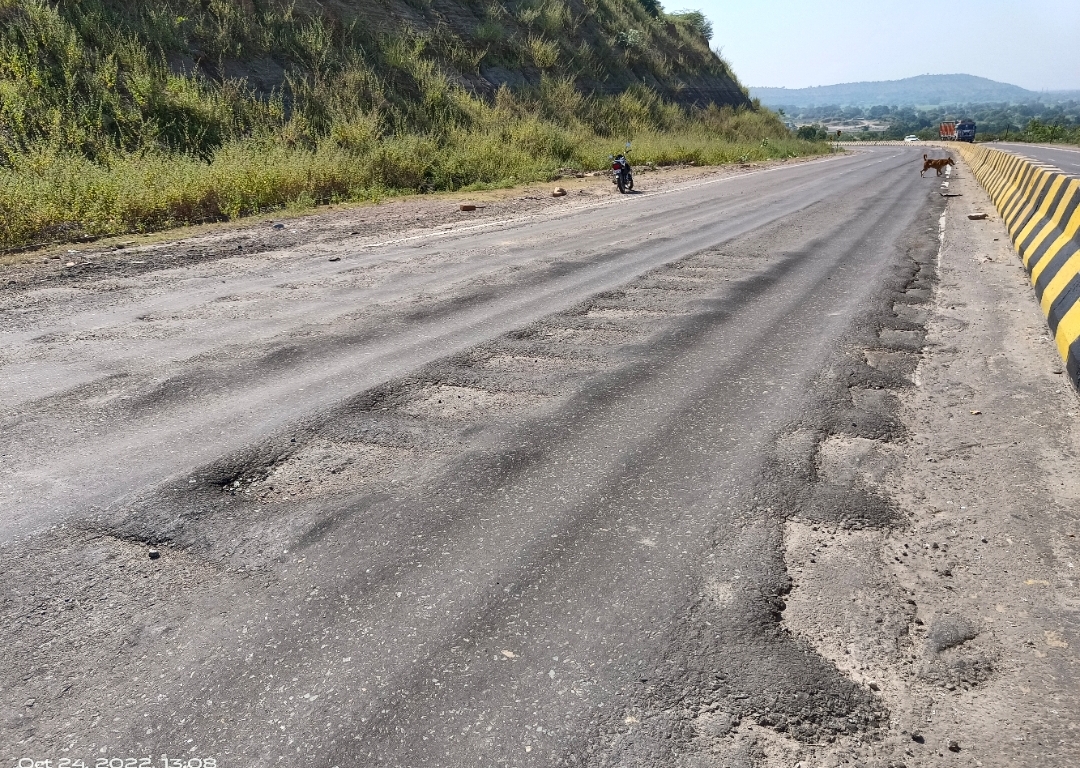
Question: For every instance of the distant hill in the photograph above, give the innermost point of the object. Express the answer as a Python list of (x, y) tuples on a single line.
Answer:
[(921, 91)]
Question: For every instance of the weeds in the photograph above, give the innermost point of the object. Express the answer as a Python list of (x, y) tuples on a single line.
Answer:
[(119, 118)]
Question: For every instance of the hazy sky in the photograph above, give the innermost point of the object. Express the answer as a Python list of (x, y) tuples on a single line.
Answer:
[(798, 43)]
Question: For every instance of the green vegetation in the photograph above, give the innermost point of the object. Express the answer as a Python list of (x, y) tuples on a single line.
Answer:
[(812, 133), (120, 117), (1032, 121), (697, 20)]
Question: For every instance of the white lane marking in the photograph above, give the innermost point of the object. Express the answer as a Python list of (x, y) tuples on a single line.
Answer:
[(940, 253), (1037, 163), (941, 239), (1045, 146)]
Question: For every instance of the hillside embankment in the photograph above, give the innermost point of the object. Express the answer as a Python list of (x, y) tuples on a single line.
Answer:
[(119, 117)]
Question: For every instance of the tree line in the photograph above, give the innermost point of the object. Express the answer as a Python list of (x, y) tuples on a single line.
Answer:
[(1033, 121)]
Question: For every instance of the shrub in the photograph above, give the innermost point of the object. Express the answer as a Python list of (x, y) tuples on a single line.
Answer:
[(652, 7), (697, 21), (103, 131), (811, 133)]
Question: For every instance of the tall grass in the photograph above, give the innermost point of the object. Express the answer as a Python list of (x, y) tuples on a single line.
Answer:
[(118, 117)]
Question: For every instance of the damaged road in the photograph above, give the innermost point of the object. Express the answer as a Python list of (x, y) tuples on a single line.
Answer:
[(606, 484)]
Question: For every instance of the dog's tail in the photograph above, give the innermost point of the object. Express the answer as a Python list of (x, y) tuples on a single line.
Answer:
[(924, 157)]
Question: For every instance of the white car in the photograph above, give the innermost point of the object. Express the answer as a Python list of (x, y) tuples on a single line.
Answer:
[(911, 138)]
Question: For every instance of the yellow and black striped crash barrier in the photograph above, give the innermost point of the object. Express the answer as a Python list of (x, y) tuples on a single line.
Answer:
[(1041, 208)]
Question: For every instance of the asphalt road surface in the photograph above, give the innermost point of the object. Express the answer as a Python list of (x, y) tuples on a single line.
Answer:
[(173, 373), (512, 493), (1065, 158)]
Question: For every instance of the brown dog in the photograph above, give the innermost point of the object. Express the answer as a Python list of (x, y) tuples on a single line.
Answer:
[(937, 165)]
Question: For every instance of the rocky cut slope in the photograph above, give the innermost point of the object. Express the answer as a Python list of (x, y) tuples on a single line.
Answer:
[(119, 117), (605, 46), (94, 76)]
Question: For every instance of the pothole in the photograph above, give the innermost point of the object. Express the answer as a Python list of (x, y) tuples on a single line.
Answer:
[(591, 336), (324, 467), (450, 401), (846, 460), (674, 283), (880, 401), (911, 313), (615, 313), (841, 604), (533, 364), (901, 339), (889, 361)]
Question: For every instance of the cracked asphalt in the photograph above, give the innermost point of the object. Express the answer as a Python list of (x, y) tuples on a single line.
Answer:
[(535, 487)]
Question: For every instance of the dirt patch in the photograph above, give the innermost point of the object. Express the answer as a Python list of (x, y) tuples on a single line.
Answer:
[(532, 364), (846, 460), (957, 617), (332, 229), (613, 313), (448, 401), (324, 468)]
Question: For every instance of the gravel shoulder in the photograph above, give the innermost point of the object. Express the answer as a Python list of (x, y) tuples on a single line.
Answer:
[(352, 225), (965, 616)]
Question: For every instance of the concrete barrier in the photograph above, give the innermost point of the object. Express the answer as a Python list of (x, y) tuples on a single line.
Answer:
[(1041, 208)]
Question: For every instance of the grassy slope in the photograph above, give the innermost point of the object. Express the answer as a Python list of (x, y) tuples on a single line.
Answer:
[(118, 116)]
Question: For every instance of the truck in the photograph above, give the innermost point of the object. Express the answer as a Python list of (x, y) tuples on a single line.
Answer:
[(957, 131)]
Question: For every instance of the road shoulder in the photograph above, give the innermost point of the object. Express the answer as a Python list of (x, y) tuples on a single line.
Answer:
[(964, 619), (341, 226)]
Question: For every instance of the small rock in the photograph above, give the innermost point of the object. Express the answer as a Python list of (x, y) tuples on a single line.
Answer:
[(29, 703), (558, 192), (874, 686), (335, 258), (70, 264), (279, 226), (977, 216), (917, 737), (954, 746), (154, 553)]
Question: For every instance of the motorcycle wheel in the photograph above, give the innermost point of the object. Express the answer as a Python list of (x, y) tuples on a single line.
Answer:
[(622, 183), (629, 181)]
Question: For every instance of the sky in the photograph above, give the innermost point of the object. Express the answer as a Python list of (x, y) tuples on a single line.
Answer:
[(798, 43)]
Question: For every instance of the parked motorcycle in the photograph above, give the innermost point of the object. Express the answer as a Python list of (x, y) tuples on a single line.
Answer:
[(621, 172)]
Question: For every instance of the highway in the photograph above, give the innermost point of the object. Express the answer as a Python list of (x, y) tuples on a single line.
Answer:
[(1065, 158), (547, 489)]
